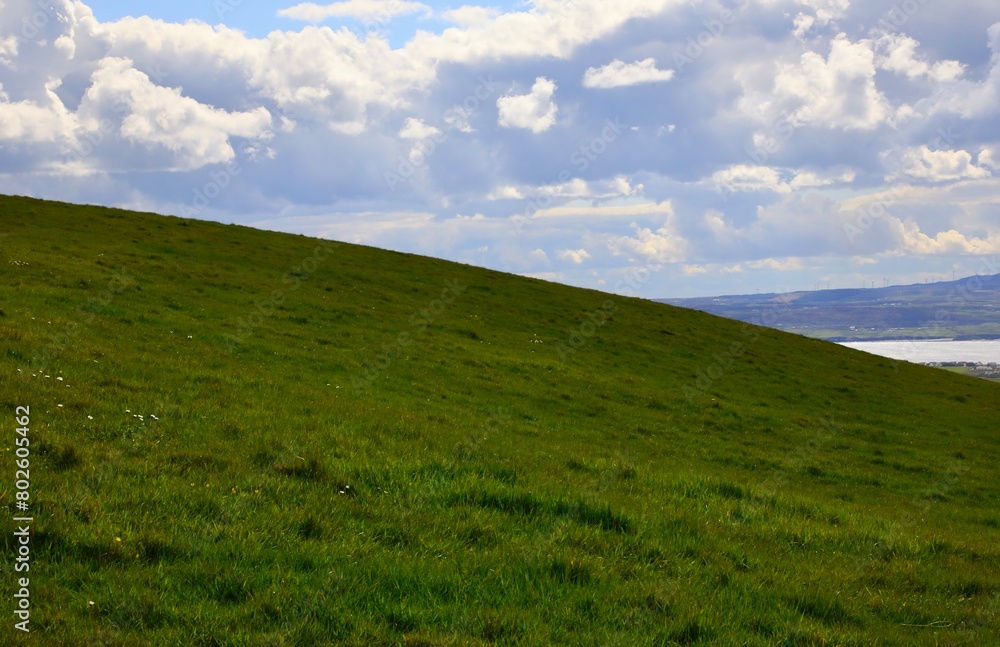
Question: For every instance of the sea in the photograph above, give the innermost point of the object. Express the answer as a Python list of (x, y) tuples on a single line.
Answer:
[(933, 350)]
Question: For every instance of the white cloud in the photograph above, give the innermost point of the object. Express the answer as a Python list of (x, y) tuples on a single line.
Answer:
[(973, 99), (539, 255), (694, 270), (617, 74), (989, 157), (575, 256), (535, 111), (612, 212), (898, 54), (47, 120), (812, 179), (8, 50), (471, 15), (316, 75), (780, 265), (803, 23), (575, 188), (946, 242), (551, 28), (367, 11), (827, 10), (750, 177), (836, 92), (160, 117), (505, 192), (417, 129), (664, 245), (922, 163)]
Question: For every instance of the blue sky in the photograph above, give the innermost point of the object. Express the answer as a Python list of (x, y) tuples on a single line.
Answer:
[(704, 146), (257, 19)]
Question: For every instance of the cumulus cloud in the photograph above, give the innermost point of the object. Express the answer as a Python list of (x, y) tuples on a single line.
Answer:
[(989, 157), (552, 28), (535, 111), (8, 50), (416, 129), (949, 242), (575, 256), (367, 11), (898, 53), (973, 99), (922, 163), (539, 255), (838, 91), (505, 192), (471, 15), (651, 246), (196, 134), (747, 177), (647, 245), (618, 74), (29, 122), (316, 75), (827, 10), (777, 264), (607, 212), (694, 270)]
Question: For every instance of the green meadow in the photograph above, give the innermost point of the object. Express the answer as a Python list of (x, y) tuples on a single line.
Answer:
[(241, 437)]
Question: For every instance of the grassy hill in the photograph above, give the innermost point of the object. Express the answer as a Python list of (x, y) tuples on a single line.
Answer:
[(249, 438)]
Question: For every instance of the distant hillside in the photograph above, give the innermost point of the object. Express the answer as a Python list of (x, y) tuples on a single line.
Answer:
[(239, 437), (965, 309)]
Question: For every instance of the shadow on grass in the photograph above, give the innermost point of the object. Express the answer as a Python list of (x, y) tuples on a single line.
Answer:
[(525, 504)]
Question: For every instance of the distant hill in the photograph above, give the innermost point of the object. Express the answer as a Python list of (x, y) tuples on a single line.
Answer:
[(240, 437), (964, 309)]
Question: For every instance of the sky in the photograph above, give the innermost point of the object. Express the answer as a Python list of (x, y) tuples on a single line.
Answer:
[(658, 148)]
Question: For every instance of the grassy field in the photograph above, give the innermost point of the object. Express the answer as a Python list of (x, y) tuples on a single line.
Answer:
[(249, 438)]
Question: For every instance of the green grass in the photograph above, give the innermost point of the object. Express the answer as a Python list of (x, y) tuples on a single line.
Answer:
[(372, 448)]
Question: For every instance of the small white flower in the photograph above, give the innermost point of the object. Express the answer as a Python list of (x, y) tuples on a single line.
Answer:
[(60, 379), (90, 417), (59, 405), (190, 337), (153, 417), (128, 411)]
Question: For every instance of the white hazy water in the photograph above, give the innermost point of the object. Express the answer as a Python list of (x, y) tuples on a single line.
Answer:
[(935, 350)]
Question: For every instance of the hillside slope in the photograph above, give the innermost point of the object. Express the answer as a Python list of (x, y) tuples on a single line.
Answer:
[(241, 437)]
